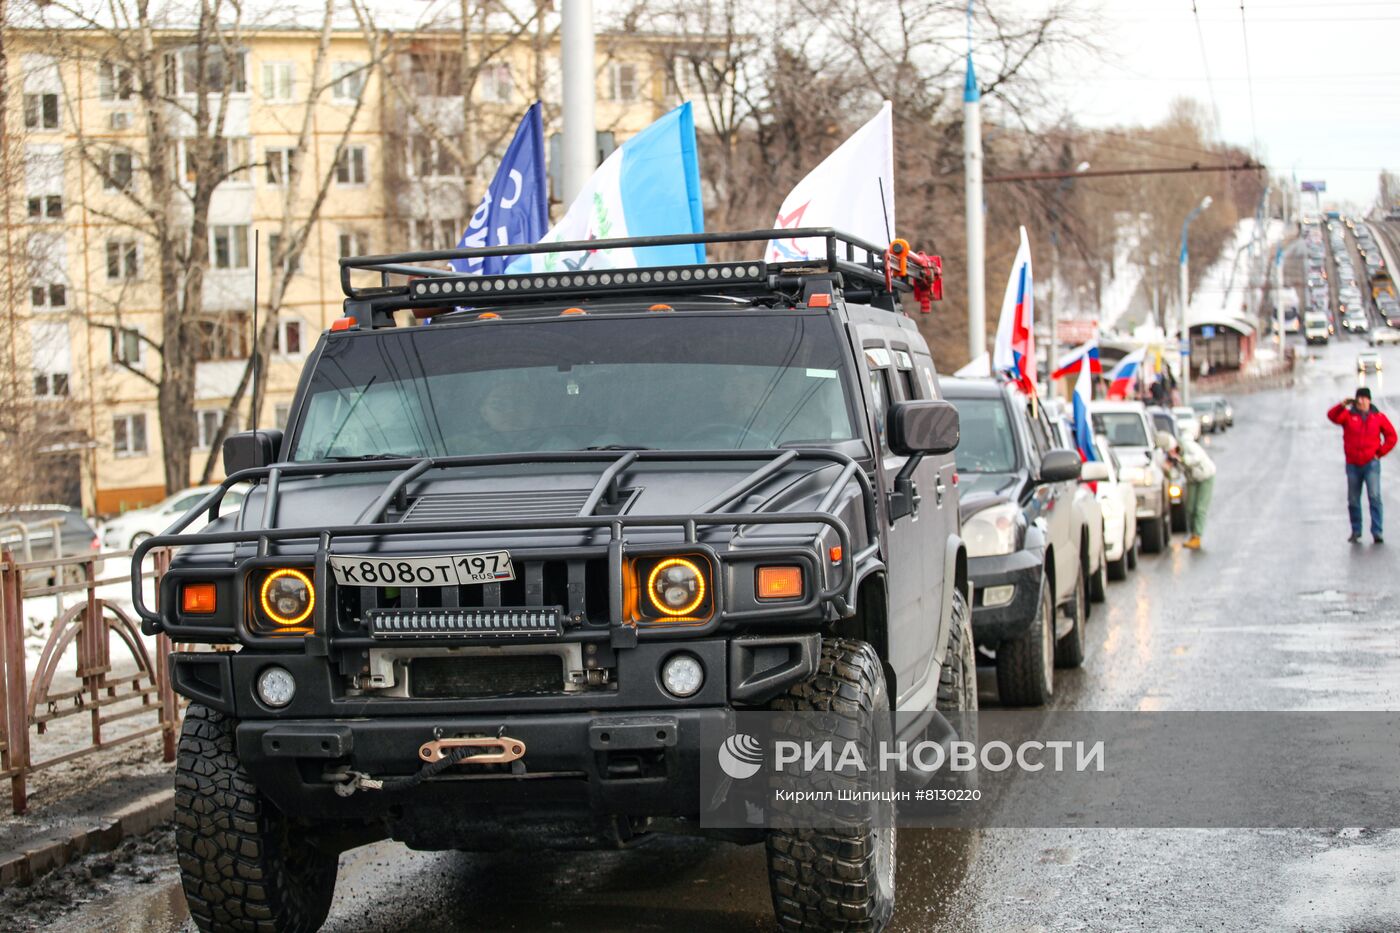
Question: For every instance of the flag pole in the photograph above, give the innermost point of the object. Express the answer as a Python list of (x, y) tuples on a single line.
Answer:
[(580, 143), (976, 232)]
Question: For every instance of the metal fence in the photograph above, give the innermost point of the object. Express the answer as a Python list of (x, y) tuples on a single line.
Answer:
[(122, 698)]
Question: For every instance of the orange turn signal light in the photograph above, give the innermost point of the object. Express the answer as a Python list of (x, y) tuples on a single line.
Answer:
[(835, 553), (488, 316), (199, 598), (567, 311), (779, 582)]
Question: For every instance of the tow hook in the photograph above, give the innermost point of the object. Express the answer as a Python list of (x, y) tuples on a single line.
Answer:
[(506, 750)]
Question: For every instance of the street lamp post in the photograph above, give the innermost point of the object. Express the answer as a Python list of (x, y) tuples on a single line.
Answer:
[(580, 144), (1184, 332)]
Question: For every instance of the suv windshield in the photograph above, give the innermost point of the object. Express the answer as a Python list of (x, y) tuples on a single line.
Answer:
[(986, 445), (670, 381), (1123, 428)]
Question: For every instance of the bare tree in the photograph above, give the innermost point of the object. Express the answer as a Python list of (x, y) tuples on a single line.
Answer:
[(183, 67), (300, 212)]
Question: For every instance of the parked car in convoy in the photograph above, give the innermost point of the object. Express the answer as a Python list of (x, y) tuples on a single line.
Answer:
[(1130, 431), (1026, 549), (1086, 504), (511, 565), (1368, 361), (1224, 411), (28, 533), (130, 528), (1356, 322), (1119, 505), (1187, 421)]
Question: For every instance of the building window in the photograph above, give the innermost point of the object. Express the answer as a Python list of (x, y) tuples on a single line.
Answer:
[(428, 158), (51, 385), (118, 171), (354, 243), (222, 337), (274, 244), (123, 261), (277, 78), (129, 435), (350, 167), (46, 207), (228, 246), (126, 346), (348, 80), (182, 72), (434, 234), (622, 81), (209, 422), (53, 296), (279, 164), (497, 84), (114, 82), (41, 111), (289, 337), (281, 412)]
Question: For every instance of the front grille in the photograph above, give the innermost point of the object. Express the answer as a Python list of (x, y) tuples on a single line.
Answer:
[(578, 587), (490, 506), (509, 675)]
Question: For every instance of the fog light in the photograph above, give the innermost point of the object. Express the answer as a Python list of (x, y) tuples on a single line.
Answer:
[(1174, 490), (998, 595), (682, 675), (276, 686)]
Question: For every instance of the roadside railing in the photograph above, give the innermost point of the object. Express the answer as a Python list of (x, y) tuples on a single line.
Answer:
[(1274, 374), (123, 698)]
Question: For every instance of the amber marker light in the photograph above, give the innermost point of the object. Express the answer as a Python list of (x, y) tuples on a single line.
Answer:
[(779, 582), (199, 598)]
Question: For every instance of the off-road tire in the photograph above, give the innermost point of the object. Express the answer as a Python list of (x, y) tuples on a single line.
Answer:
[(1098, 583), (1179, 518), (957, 682), (1154, 537), (839, 878), (1069, 650), (243, 865), (1025, 665)]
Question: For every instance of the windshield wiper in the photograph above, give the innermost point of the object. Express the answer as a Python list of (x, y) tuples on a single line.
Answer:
[(619, 447), (359, 458)]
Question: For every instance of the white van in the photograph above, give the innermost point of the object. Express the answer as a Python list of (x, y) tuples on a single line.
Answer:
[(1315, 327)]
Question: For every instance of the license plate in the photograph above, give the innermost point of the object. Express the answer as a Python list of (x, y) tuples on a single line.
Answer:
[(441, 570)]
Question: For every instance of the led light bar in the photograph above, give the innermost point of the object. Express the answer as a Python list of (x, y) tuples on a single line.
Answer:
[(611, 280), (446, 623)]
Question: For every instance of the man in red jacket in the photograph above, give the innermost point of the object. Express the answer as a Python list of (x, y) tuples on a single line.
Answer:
[(1367, 435)]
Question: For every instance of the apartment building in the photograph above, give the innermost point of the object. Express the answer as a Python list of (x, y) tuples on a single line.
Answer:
[(87, 323)]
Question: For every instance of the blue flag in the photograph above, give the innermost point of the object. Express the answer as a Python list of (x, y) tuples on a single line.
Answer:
[(515, 208)]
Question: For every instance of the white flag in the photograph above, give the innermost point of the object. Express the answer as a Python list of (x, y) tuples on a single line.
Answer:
[(851, 190)]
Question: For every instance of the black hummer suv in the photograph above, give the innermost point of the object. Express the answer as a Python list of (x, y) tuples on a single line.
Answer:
[(512, 555)]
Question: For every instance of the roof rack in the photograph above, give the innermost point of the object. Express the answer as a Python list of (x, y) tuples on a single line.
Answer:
[(848, 263)]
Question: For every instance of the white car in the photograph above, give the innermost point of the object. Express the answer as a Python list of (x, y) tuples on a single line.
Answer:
[(1187, 422), (1384, 335), (1118, 502), (1129, 429), (1368, 361), (131, 528), (1090, 514)]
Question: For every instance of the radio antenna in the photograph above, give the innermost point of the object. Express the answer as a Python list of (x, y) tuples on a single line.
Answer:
[(257, 336)]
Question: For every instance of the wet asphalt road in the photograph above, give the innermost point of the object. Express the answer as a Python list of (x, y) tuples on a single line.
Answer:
[(1277, 613)]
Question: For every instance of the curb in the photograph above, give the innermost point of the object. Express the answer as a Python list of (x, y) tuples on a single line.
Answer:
[(24, 866)]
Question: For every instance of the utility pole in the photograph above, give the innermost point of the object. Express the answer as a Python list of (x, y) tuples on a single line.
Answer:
[(1184, 287), (976, 231), (1278, 300), (580, 143)]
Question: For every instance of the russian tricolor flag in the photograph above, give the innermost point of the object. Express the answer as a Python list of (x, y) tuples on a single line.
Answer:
[(1069, 363), (1125, 375), (1013, 355), (1083, 427)]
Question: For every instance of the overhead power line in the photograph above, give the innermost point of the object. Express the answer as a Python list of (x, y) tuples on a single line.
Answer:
[(1195, 168)]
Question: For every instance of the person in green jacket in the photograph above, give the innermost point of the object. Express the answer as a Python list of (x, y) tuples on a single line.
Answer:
[(1200, 482)]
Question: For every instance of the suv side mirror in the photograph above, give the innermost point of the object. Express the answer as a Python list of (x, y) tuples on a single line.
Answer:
[(1060, 465), (1094, 471), (250, 449), (925, 427)]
